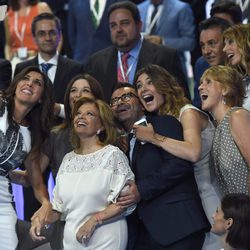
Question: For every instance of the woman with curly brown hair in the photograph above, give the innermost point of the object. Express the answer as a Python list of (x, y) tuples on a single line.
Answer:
[(160, 93)]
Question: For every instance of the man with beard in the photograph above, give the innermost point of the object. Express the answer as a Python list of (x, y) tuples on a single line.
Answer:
[(130, 51), (169, 214)]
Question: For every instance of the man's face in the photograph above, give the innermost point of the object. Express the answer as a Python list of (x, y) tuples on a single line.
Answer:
[(47, 36), (126, 105), (125, 33), (212, 46)]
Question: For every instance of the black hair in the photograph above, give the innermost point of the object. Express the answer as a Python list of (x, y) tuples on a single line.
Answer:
[(131, 7), (45, 16)]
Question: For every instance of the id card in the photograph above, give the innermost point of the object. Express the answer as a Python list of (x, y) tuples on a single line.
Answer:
[(22, 52), (3, 11)]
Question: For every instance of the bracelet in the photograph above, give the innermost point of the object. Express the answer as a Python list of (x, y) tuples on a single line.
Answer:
[(98, 218), (156, 137)]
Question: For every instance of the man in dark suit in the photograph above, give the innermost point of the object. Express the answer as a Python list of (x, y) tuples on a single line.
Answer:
[(5, 73), (125, 26), (46, 30), (169, 213)]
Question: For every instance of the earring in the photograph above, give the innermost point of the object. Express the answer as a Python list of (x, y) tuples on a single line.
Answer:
[(223, 100), (98, 132)]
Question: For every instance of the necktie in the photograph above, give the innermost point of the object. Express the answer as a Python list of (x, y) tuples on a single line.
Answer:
[(152, 31), (124, 66), (46, 67), (94, 13)]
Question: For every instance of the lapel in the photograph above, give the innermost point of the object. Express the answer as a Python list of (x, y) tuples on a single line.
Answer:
[(147, 54), (61, 67), (110, 69), (134, 154)]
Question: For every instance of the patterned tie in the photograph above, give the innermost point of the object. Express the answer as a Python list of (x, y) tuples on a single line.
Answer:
[(124, 60), (94, 13), (46, 67)]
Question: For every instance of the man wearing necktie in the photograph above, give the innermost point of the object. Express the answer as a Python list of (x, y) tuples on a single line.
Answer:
[(172, 25), (46, 30), (108, 66)]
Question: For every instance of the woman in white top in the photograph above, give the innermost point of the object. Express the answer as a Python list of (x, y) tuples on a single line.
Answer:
[(159, 92), (25, 119), (89, 180)]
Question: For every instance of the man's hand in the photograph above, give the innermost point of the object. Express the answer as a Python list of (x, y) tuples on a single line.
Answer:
[(130, 197), (35, 230)]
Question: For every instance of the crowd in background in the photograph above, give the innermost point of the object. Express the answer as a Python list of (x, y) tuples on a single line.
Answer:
[(140, 109)]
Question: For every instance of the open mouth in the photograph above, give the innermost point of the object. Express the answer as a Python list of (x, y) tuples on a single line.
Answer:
[(148, 98), (204, 97), (122, 108), (27, 91), (80, 123)]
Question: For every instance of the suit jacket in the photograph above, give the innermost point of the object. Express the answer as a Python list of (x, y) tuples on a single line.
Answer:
[(176, 24), (84, 38), (66, 70), (5, 73), (103, 64), (170, 207)]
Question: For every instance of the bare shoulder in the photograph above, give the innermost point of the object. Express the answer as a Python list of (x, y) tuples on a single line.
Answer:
[(194, 116), (240, 121), (43, 7)]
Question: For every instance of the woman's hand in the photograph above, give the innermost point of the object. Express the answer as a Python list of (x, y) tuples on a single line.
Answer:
[(43, 213), (144, 133), (86, 230)]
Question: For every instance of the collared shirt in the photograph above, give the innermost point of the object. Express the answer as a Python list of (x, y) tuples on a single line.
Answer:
[(52, 70), (133, 60)]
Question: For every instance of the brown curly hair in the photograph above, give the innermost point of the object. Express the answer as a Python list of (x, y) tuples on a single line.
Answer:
[(165, 84)]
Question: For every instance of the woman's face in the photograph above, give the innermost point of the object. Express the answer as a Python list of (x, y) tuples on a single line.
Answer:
[(211, 93), (220, 224), (148, 95), (30, 89), (232, 52), (87, 120), (80, 88)]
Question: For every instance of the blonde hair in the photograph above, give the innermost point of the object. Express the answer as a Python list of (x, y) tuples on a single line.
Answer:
[(240, 33), (231, 80), (108, 135)]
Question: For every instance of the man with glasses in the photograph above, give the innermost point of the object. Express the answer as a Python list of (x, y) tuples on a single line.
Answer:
[(169, 214), (46, 30)]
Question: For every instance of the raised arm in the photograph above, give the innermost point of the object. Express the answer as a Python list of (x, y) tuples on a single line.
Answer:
[(190, 149)]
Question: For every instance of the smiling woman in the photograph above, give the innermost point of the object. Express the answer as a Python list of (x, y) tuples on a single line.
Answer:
[(25, 120), (93, 220)]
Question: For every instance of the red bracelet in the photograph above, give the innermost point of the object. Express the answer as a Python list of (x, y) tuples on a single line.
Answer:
[(98, 218)]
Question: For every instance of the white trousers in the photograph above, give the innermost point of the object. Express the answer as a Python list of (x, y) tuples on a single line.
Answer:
[(8, 219)]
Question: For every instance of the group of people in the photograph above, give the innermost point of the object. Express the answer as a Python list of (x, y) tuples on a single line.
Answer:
[(136, 165)]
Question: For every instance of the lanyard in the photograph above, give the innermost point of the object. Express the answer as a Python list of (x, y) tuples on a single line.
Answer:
[(19, 35), (150, 25)]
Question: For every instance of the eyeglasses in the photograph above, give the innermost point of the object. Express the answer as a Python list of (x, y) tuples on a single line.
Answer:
[(125, 98)]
